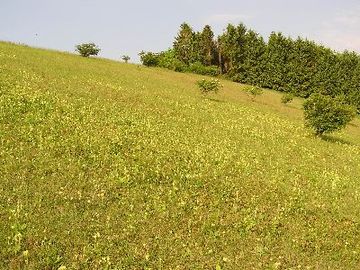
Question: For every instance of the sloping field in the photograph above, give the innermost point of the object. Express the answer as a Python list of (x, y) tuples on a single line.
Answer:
[(106, 165)]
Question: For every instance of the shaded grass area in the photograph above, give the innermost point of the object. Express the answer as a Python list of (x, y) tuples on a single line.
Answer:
[(116, 166)]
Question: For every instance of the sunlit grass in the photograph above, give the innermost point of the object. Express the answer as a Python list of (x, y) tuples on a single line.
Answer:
[(106, 165)]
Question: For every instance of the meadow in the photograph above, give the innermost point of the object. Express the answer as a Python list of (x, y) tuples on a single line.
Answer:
[(107, 165)]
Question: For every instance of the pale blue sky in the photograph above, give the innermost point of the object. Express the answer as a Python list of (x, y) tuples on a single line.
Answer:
[(127, 27)]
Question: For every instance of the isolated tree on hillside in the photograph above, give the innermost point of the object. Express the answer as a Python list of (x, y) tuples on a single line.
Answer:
[(325, 114), (87, 49), (126, 58), (149, 59)]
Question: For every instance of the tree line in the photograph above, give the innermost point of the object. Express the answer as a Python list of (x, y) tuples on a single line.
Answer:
[(297, 66)]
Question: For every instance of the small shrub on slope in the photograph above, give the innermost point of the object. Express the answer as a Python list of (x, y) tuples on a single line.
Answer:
[(207, 86), (324, 114), (253, 91), (287, 98)]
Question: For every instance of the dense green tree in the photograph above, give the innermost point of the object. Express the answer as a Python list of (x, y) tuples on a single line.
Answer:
[(353, 97), (196, 52), (87, 49), (208, 47), (348, 62), (277, 58), (168, 59), (184, 44), (325, 114), (302, 64), (325, 79), (296, 66), (149, 59), (254, 61), (231, 48)]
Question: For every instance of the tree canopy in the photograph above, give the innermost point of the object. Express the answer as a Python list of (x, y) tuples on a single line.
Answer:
[(298, 66)]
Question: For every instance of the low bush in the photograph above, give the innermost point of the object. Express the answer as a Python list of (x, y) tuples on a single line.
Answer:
[(149, 59), (207, 86), (253, 91), (287, 98), (168, 60), (199, 68), (325, 114)]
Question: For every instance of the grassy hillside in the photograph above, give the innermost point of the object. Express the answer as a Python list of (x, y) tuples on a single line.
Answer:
[(106, 165)]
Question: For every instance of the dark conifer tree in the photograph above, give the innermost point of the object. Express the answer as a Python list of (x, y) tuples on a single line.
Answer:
[(254, 61), (277, 57), (302, 66), (353, 96), (208, 47), (231, 47), (196, 52), (183, 44)]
